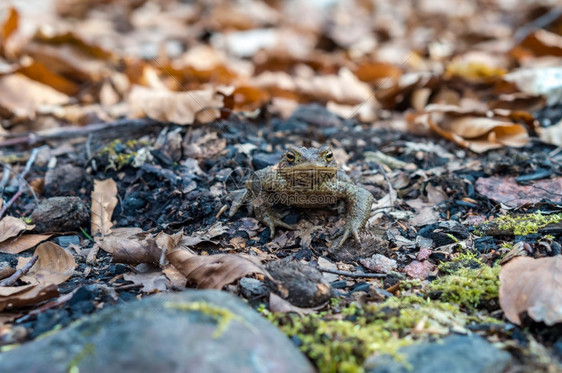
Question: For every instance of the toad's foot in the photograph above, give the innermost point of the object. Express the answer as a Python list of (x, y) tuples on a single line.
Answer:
[(272, 219), (344, 233)]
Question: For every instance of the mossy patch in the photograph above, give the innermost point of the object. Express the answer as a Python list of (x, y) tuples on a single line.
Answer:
[(340, 340), (467, 282), (121, 154), (88, 350), (222, 316), (520, 225)]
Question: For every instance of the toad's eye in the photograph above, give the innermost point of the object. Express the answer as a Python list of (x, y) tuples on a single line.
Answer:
[(329, 157), (290, 157)]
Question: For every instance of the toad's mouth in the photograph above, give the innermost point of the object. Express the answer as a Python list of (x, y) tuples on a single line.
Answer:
[(309, 167)]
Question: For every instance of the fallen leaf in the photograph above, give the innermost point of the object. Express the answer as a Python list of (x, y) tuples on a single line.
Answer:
[(371, 72), (104, 200), (177, 280), (32, 295), (534, 286), (11, 227), (214, 271), (278, 304), (21, 96), (131, 249), (9, 25), (539, 81), (507, 191), (54, 265), (552, 134), (152, 281), (540, 43), (343, 88), (477, 133), (16, 245), (39, 72), (69, 55), (175, 107)]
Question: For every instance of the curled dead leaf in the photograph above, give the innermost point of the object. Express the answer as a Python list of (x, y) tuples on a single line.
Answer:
[(176, 107), (11, 227), (534, 286), (16, 245), (214, 271), (8, 26), (54, 266), (21, 96), (132, 249), (104, 200), (470, 130)]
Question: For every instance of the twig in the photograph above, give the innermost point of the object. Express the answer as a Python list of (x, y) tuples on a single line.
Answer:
[(352, 274), (542, 22), (20, 272), (124, 125), (21, 182)]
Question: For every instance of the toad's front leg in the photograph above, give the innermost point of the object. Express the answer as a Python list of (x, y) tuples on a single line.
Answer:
[(358, 205)]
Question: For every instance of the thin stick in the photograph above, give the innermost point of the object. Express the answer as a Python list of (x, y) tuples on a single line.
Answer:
[(20, 272), (352, 274), (21, 182), (72, 132)]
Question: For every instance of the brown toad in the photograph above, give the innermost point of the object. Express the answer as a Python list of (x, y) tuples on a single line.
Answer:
[(305, 177)]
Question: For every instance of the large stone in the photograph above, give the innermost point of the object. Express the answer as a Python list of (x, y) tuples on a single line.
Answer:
[(192, 331), (453, 354)]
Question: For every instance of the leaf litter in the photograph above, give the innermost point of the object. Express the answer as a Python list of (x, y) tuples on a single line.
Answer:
[(163, 109)]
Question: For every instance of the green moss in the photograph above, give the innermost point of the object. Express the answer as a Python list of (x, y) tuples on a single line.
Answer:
[(222, 316), (340, 342), (86, 351), (522, 225), (467, 282), (121, 154), (466, 259)]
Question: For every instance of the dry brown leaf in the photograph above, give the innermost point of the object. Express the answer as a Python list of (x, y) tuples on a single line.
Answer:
[(69, 55), (54, 265), (477, 133), (540, 43), (215, 271), (551, 135), (9, 25), (16, 245), (534, 286), (21, 97), (175, 107), (33, 294), (539, 81), (344, 88), (104, 200), (278, 304), (177, 279), (11, 227), (152, 281), (509, 192), (131, 250), (42, 74), (371, 72)]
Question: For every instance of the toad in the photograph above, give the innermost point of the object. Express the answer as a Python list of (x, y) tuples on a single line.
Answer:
[(306, 178)]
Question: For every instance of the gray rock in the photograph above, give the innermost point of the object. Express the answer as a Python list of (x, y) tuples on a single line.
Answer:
[(252, 288), (453, 354), (183, 332), (65, 241)]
